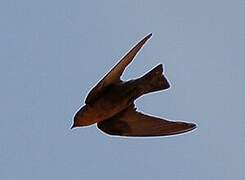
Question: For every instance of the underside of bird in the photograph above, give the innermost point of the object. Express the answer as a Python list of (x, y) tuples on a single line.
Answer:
[(132, 123), (129, 122)]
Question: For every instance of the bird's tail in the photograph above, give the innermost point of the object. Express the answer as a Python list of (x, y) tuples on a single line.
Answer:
[(152, 81)]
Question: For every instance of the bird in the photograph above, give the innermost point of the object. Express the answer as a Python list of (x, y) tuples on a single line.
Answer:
[(111, 105)]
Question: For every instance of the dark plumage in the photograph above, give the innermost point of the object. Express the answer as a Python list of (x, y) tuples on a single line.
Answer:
[(110, 103)]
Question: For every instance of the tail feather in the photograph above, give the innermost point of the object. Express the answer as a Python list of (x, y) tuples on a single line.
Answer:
[(154, 80)]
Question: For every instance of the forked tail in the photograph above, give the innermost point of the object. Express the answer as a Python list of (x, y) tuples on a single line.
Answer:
[(152, 81)]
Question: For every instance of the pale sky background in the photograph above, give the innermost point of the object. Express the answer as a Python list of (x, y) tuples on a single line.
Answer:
[(52, 52)]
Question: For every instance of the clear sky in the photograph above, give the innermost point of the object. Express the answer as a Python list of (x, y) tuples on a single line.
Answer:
[(52, 52)]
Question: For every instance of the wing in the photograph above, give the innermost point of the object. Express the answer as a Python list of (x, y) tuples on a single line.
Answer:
[(114, 75), (132, 123)]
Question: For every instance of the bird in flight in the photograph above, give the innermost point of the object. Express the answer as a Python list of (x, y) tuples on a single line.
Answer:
[(110, 103)]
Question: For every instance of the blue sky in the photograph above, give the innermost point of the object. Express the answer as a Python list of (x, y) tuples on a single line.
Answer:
[(53, 52)]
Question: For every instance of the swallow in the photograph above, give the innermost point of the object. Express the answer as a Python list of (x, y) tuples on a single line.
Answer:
[(110, 103)]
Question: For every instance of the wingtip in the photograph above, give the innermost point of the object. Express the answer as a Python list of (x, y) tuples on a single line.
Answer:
[(192, 126), (143, 41), (149, 36)]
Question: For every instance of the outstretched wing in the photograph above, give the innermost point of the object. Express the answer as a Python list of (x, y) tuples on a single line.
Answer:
[(114, 75), (132, 123)]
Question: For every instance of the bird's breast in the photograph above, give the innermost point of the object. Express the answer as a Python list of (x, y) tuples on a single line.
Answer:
[(111, 102)]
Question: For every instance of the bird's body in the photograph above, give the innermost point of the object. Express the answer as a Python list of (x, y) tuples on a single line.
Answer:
[(114, 99), (120, 96), (110, 103)]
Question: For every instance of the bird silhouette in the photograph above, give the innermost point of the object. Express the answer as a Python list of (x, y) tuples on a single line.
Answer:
[(110, 103)]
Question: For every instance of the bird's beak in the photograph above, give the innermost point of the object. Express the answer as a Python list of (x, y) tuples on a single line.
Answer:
[(73, 126)]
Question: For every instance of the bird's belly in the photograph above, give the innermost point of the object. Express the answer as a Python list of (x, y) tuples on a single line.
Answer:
[(105, 109), (110, 104)]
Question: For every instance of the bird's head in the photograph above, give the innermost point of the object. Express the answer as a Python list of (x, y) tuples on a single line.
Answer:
[(82, 118)]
